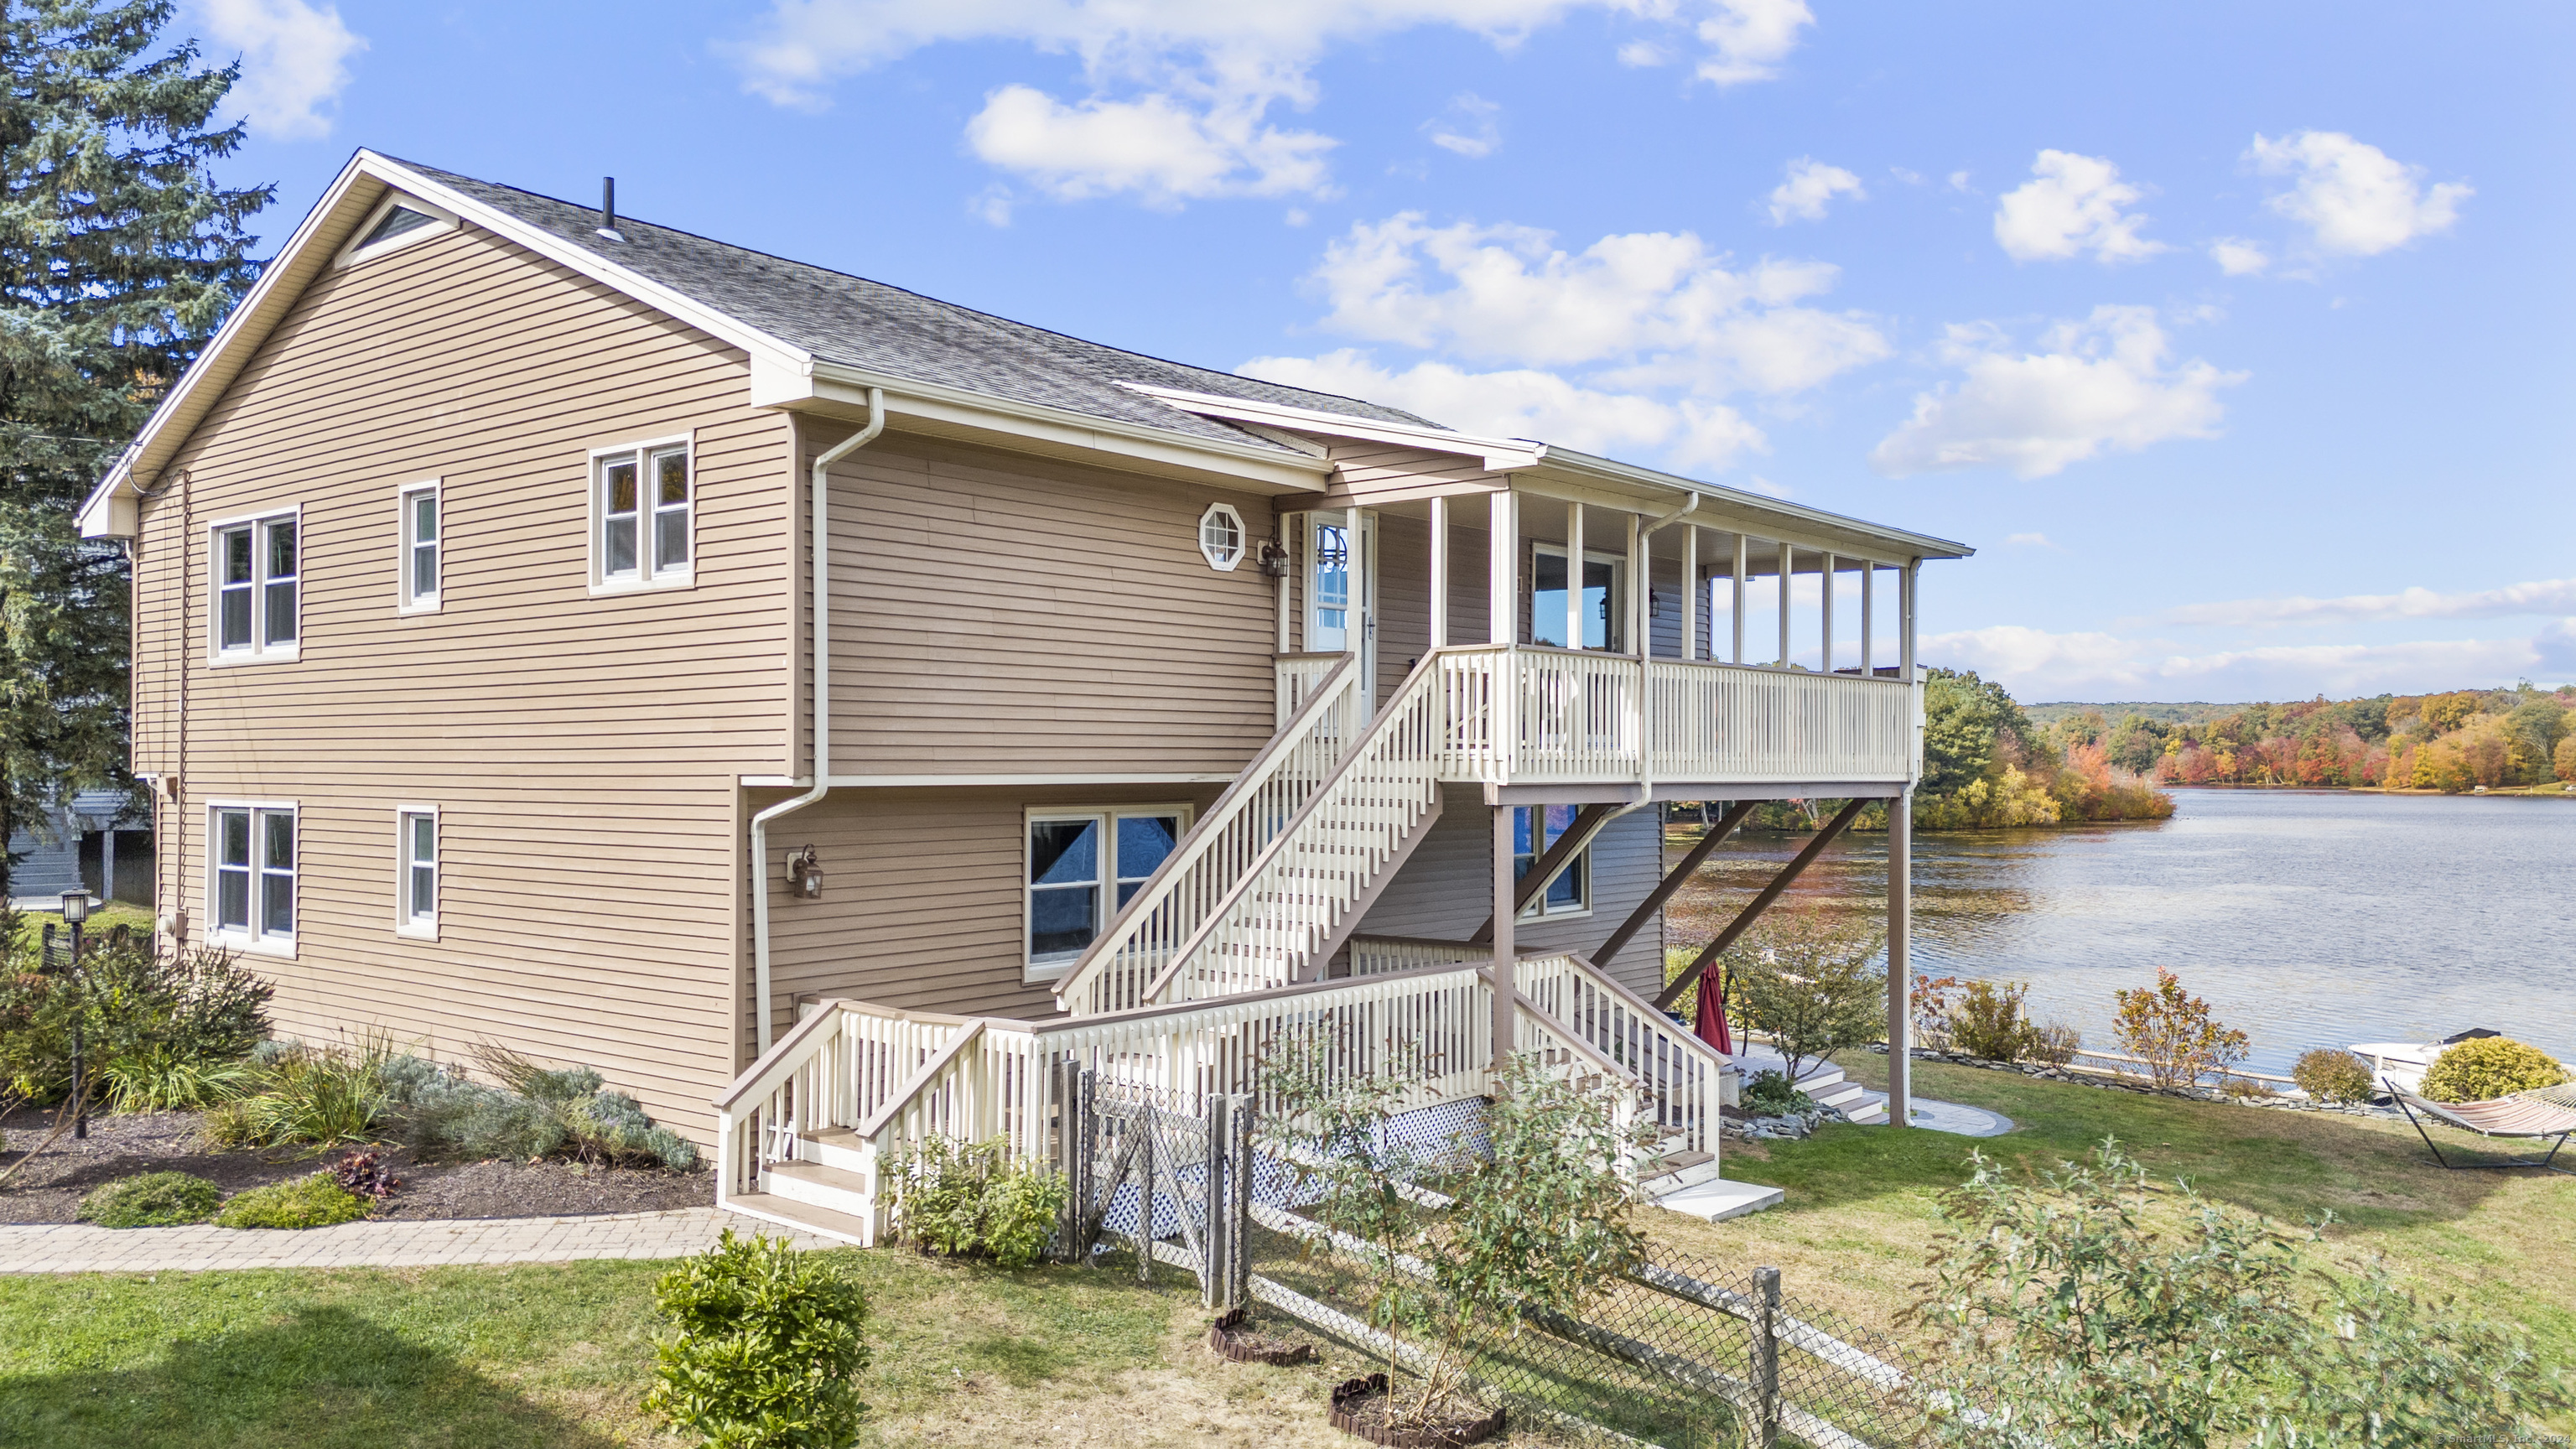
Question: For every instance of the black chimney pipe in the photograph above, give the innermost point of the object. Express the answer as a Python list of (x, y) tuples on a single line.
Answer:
[(608, 209)]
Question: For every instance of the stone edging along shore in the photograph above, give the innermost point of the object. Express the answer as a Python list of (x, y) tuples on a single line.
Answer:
[(2096, 1077), (389, 1243)]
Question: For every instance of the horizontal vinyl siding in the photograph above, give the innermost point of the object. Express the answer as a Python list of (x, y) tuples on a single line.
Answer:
[(1446, 889), (922, 903), (992, 615), (582, 751)]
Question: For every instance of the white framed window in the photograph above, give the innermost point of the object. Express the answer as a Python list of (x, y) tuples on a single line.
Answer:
[(1221, 537), (423, 528), (643, 509), (250, 875), (1605, 599), (255, 571), (398, 221), (1534, 829), (416, 871), (1082, 867)]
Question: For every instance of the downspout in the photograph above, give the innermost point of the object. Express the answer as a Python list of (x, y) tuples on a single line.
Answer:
[(822, 782)]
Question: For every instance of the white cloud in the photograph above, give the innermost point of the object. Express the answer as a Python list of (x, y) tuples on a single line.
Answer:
[(2357, 199), (2072, 205), (2038, 665), (1958, 181), (1660, 305), (1749, 38), (1527, 403), (1643, 53), (1469, 127), (2238, 257), (2030, 540), (294, 60), (1158, 148), (2548, 596), (1210, 73), (2105, 382), (1811, 186)]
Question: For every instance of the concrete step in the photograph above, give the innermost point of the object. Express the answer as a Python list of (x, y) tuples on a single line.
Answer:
[(788, 1212), (1718, 1199), (816, 1185)]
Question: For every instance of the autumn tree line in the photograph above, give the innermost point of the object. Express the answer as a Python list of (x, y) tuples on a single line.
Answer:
[(2452, 742)]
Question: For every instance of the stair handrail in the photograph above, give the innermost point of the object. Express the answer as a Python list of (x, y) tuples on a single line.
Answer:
[(785, 1054), (1389, 719), (1664, 1025), (1332, 692)]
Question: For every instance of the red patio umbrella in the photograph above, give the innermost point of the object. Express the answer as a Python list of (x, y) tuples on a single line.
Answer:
[(1712, 1012)]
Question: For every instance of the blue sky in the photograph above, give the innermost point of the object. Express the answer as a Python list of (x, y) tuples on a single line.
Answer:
[(2236, 338)]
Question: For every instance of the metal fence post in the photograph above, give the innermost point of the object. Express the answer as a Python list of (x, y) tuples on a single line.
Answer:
[(1213, 1254), (1238, 1232), (1766, 1359), (1142, 1124)]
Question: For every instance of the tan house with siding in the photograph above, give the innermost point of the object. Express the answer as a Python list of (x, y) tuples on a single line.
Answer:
[(476, 645)]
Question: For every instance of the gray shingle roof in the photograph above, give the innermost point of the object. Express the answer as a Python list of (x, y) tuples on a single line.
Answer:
[(851, 320)]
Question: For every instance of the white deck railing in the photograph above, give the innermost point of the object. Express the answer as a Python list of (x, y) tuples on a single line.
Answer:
[(1683, 1078), (1585, 717), (890, 1079), (1201, 875)]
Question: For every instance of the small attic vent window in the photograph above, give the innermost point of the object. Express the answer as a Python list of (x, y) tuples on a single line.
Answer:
[(397, 221)]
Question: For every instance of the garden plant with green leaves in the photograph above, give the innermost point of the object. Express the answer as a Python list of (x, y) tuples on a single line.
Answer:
[(1810, 982), (765, 1345), (2096, 1307)]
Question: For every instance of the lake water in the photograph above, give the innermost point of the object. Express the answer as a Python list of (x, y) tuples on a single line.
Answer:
[(2304, 918)]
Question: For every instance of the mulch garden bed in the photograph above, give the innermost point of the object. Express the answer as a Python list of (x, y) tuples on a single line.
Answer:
[(1361, 1406), (49, 1190)]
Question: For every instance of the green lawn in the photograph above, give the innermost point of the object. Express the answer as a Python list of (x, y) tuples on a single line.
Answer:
[(31, 924), (1861, 1205), (555, 1357)]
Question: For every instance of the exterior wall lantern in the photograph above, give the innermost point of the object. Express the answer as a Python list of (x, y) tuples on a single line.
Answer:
[(805, 873)]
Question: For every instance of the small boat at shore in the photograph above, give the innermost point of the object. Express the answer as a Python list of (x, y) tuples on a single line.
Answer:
[(2403, 1064)]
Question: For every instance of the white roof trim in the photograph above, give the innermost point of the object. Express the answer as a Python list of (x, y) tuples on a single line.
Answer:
[(1500, 455)]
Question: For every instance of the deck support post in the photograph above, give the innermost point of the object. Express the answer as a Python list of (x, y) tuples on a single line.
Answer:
[(1439, 573), (1573, 579), (1825, 652), (1743, 556), (1788, 568), (1900, 962), (1506, 912), (1752, 912), (1692, 589), (1663, 891), (1868, 608)]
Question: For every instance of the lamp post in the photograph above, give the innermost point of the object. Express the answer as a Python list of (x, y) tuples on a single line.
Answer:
[(76, 911)]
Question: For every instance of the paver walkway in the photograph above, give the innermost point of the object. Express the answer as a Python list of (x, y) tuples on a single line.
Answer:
[(80, 1248)]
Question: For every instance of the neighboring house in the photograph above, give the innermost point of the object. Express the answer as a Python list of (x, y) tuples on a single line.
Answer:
[(476, 654), (79, 850)]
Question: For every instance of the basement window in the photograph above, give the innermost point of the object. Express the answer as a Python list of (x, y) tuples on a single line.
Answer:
[(1083, 868), (1534, 829)]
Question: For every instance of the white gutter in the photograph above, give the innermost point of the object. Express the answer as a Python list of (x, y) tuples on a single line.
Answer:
[(822, 706)]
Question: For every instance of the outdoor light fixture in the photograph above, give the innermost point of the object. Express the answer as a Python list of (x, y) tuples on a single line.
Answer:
[(805, 873), (1274, 559), (75, 907)]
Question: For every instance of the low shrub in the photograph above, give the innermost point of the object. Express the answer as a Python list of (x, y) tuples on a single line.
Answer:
[(2334, 1076), (165, 1078), (2055, 1043), (153, 1200), (158, 1026), (536, 1112), (1989, 1021), (306, 1202), (960, 1199), (1770, 1094), (318, 1096), (2485, 1068), (764, 1345)]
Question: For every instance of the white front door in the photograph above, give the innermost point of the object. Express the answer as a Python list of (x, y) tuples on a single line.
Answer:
[(1341, 591)]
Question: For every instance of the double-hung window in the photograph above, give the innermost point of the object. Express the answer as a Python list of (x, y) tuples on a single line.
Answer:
[(1083, 866), (416, 883), (422, 528), (250, 888), (258, 575), (1534, 829), (643, 504)]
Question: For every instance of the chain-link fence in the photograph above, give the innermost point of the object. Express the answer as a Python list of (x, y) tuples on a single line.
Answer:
[(1688, 1352)]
